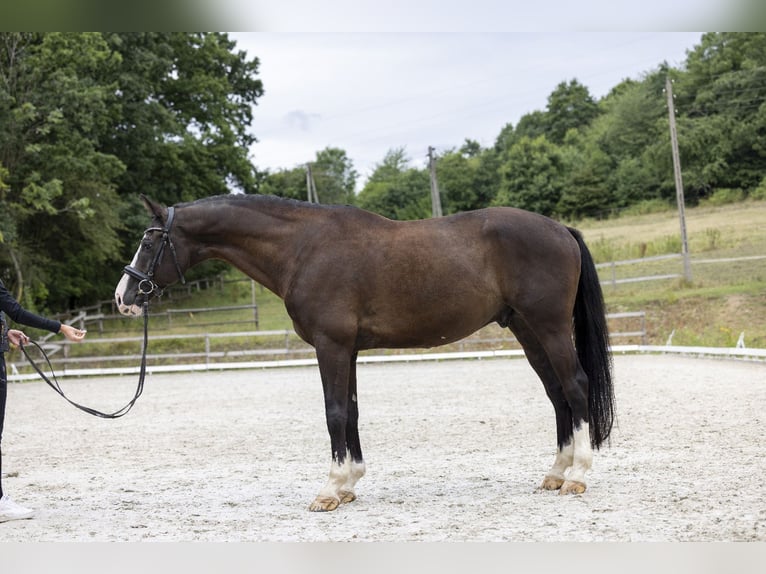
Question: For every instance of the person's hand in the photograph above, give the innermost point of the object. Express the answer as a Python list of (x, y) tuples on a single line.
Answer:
[(72, 333), (17, 337)]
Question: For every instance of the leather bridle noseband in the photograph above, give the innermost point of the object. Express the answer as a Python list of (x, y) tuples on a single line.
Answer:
[(146, 283)]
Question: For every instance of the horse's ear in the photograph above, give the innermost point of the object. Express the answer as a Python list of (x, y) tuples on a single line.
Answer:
[(154, 208)]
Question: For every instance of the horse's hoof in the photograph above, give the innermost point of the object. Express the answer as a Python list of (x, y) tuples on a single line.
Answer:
[(572, 487), (324, 504), (346, 496), (551, 483)]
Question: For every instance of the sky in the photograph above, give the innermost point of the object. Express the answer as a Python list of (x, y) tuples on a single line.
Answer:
[(369, 93)]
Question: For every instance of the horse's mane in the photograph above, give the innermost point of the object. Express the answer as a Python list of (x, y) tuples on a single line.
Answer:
[(276, 204), (259, 199)]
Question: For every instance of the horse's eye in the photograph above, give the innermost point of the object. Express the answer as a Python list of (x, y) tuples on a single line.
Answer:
[(146, 245)]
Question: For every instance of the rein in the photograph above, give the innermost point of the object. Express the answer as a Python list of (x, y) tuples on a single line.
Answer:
[(56, 387)]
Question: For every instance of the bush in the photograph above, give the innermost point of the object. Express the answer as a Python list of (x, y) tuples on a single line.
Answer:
[(724, 196), (760, 191), (647, 206)]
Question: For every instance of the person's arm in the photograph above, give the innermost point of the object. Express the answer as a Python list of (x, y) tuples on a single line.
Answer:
[(15, 311), (17, 337), (20, 315)]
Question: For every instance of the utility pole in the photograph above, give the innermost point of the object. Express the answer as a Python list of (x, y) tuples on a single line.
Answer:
[(311, 186), (436, 201), (678, 179)]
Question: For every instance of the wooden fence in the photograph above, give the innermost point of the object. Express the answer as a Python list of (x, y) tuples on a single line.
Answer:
[(217, 348), (613, 265), (206, 348)]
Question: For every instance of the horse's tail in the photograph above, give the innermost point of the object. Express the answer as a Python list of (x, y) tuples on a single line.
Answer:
[(592, 343)]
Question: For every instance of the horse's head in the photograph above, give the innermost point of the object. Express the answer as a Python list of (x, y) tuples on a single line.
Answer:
[(155, 265)]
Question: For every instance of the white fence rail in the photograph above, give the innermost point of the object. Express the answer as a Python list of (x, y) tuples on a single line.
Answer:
[(612, 265), (280, 345)]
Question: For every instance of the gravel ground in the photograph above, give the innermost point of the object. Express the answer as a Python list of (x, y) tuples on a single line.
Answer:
[(455, 451)]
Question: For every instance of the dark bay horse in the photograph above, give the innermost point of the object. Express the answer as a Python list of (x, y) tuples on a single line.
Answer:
[(352, 280)]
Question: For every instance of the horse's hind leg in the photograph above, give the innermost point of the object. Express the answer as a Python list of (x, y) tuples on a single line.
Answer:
[(571, 451), (357, 466)]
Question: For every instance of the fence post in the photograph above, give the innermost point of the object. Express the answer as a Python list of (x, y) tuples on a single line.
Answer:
[(644, 338)]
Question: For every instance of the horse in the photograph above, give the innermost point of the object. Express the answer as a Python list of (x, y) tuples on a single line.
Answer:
[(352, 280)]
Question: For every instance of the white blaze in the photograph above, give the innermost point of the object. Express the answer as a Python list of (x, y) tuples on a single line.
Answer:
[(119, 293)]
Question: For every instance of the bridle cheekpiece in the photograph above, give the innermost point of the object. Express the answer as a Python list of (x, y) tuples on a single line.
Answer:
[(146, 283)]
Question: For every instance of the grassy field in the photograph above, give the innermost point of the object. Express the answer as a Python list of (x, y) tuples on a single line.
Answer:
[(721, 301)]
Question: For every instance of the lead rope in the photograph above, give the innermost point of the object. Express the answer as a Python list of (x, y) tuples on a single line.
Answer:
[(56, 387)]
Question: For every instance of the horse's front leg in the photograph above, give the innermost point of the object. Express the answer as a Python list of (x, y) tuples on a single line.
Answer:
[(334, 367), (357, 466)]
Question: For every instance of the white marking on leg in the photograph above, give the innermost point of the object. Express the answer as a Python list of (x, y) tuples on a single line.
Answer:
[(583, 454), (356, 472), (339, 475), (564, 457)]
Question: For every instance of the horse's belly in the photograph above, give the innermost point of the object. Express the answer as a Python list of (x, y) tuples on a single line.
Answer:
[(418, 330)]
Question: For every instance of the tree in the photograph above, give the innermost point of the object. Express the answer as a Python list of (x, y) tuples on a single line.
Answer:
[(396, 190), (334, 176), (505, 139), (629, 121), (586, 171), (720, 99), (89, 120), (570, 106), (532, 176), (289, 183), (531, 125), (55, 104), (468, 179), (185, 104)]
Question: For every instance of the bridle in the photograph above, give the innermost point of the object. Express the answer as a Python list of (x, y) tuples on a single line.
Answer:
[(146, 283), (146, 286)]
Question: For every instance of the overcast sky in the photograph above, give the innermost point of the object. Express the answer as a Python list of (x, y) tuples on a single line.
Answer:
[(368, 93)]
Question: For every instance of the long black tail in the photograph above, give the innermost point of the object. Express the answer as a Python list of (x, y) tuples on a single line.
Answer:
[(592, 342)]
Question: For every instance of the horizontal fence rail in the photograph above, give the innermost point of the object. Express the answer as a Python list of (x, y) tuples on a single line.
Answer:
[(281, 344), (282, 347), (613, 265)]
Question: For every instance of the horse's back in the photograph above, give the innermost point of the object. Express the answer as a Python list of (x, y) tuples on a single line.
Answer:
[(429, 282)]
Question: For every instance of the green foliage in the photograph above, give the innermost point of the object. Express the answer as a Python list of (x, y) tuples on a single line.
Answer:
[(396, 190), (646, 207), (616, 152), (724, 195), (759, 193), (89, 120), (288, 183), (468, 179), (334, 176), (532, 176), (570, 106), (586, 173)]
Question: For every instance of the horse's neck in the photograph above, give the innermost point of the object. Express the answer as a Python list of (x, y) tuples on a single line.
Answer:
[(259, 240)]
